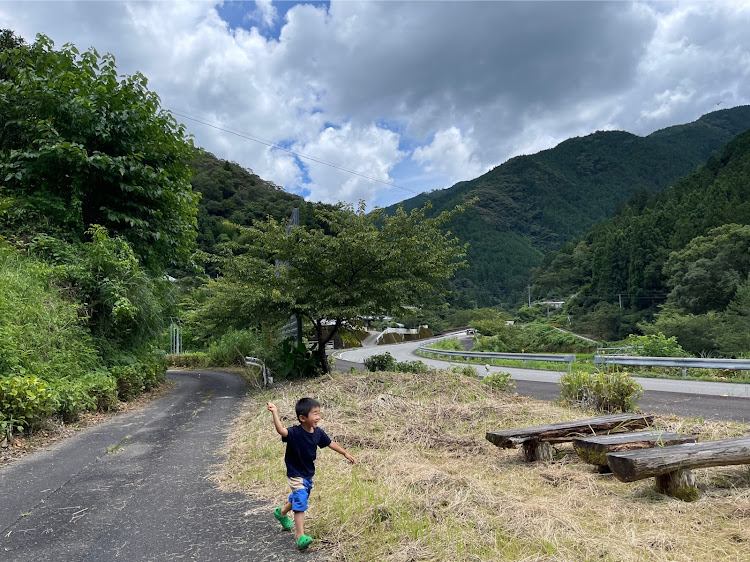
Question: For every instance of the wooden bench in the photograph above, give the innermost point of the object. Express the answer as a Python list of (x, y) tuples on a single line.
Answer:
[(536, 441), (593, 450), (671, 465)]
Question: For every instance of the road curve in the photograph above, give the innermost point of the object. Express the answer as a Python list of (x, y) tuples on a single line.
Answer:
[(720, 401), (139, 487)]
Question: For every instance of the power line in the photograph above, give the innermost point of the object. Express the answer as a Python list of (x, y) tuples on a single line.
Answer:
[(259, 140)]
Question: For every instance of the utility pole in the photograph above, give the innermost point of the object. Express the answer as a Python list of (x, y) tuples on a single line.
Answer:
[(619, 298), (529, 295)]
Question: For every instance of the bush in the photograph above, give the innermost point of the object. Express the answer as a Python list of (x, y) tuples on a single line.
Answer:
[(195, 360), (499, 381), (656, 345), (130, 382), (410, 367), (466, 370), (451, 344), (102, 388), (603, 392), (233, 347), (26, 402), (382, 362), (73, 398)]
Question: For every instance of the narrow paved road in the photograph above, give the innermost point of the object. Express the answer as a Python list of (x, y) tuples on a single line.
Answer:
[(715, 401), (139, 487)]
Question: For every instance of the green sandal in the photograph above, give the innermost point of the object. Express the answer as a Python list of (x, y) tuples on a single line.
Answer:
[(303, 542), (285, 520)]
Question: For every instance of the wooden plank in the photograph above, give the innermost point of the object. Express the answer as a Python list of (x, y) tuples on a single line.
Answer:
[(510, 438), (635, 465), (594, 450)]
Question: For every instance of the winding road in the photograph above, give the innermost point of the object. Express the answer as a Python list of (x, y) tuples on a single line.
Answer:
[(695, 399), (139, 487)]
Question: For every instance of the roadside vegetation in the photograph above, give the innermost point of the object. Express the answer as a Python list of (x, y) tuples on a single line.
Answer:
[(428, 486)]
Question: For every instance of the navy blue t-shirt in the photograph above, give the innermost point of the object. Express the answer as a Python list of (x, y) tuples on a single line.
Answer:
[(301, 450)]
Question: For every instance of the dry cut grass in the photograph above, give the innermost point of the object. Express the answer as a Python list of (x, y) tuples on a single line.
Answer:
[(428, 486)]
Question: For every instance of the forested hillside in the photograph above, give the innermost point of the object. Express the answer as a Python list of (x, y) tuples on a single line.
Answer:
[(533, 204), (686, 248), (232, 195)]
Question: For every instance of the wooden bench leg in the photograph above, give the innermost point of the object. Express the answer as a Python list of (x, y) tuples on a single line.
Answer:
[(678, 484), (537, 451)]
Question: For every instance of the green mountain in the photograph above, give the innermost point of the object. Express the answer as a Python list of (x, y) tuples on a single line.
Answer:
[(533, 204), (233, 194), (687, 247)]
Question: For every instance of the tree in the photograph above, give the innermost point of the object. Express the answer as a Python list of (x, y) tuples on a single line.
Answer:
[(356, 264), (82, 145), (705, 275)]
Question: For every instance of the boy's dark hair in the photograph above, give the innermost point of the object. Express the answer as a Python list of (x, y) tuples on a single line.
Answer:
[(304, 405)]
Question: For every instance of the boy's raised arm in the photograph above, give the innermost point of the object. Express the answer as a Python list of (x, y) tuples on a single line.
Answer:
[(336, 447), (280, 429)]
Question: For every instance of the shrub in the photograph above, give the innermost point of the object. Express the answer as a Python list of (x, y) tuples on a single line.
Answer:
[(232, 348), (299, 361), (73, 398), (451, 344), (466, 370), (102, 388), (382, 362), (411, 367), (130, 382), (195, 360), (604, 392), (499, 381), (656, 345), (26, 401)]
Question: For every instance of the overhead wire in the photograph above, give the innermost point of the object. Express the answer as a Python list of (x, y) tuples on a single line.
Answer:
[(260, 140)]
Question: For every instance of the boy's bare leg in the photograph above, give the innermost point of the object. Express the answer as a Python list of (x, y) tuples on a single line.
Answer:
[(299, 524), (286, 508)]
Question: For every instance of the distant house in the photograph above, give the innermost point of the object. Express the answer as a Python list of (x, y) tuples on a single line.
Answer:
[(553, 304)]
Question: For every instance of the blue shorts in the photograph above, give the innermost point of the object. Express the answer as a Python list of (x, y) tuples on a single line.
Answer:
[(301, 488)]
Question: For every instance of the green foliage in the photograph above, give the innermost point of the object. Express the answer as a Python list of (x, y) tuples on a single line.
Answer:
[(601, 391), (194, 360), (532, 338), (299, 361), (26, 401), (102, 388), (73, 398), (450, 344), (500, 381), (381, 362), (685, 248), (126, 307), (391, 263), (232, 348), (655, 345), (40, 333), (466, 370), (410, 367), (533, 204), (82, 145), (130, 381)]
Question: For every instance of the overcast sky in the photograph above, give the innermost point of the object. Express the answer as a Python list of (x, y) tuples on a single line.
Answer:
[(416, 94)]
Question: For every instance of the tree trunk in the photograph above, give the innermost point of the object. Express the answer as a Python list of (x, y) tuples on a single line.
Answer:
[(321, 351)]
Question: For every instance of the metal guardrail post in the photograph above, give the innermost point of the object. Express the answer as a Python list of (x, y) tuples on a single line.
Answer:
[(255, 362)]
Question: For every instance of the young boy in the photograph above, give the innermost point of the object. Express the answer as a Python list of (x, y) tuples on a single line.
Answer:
[(301, 449)]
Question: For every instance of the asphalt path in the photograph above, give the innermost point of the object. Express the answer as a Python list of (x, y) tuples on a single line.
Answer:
[(693, 399), (139, 487)]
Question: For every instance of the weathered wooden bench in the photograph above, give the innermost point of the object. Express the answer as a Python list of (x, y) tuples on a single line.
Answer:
[(593, 450), (537, 440), (671, 465)]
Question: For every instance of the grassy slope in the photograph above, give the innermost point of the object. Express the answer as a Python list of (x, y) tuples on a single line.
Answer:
[(532, 204), (428, 486)]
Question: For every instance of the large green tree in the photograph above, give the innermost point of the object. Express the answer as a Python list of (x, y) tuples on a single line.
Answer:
[(357, 264), (81, 144)]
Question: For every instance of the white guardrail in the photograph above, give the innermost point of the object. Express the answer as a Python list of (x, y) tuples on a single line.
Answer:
[(255, 362), (684, 363), (569, 358)]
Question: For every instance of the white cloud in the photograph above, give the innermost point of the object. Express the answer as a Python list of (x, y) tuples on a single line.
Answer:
[(449, 88), (451, 154)]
